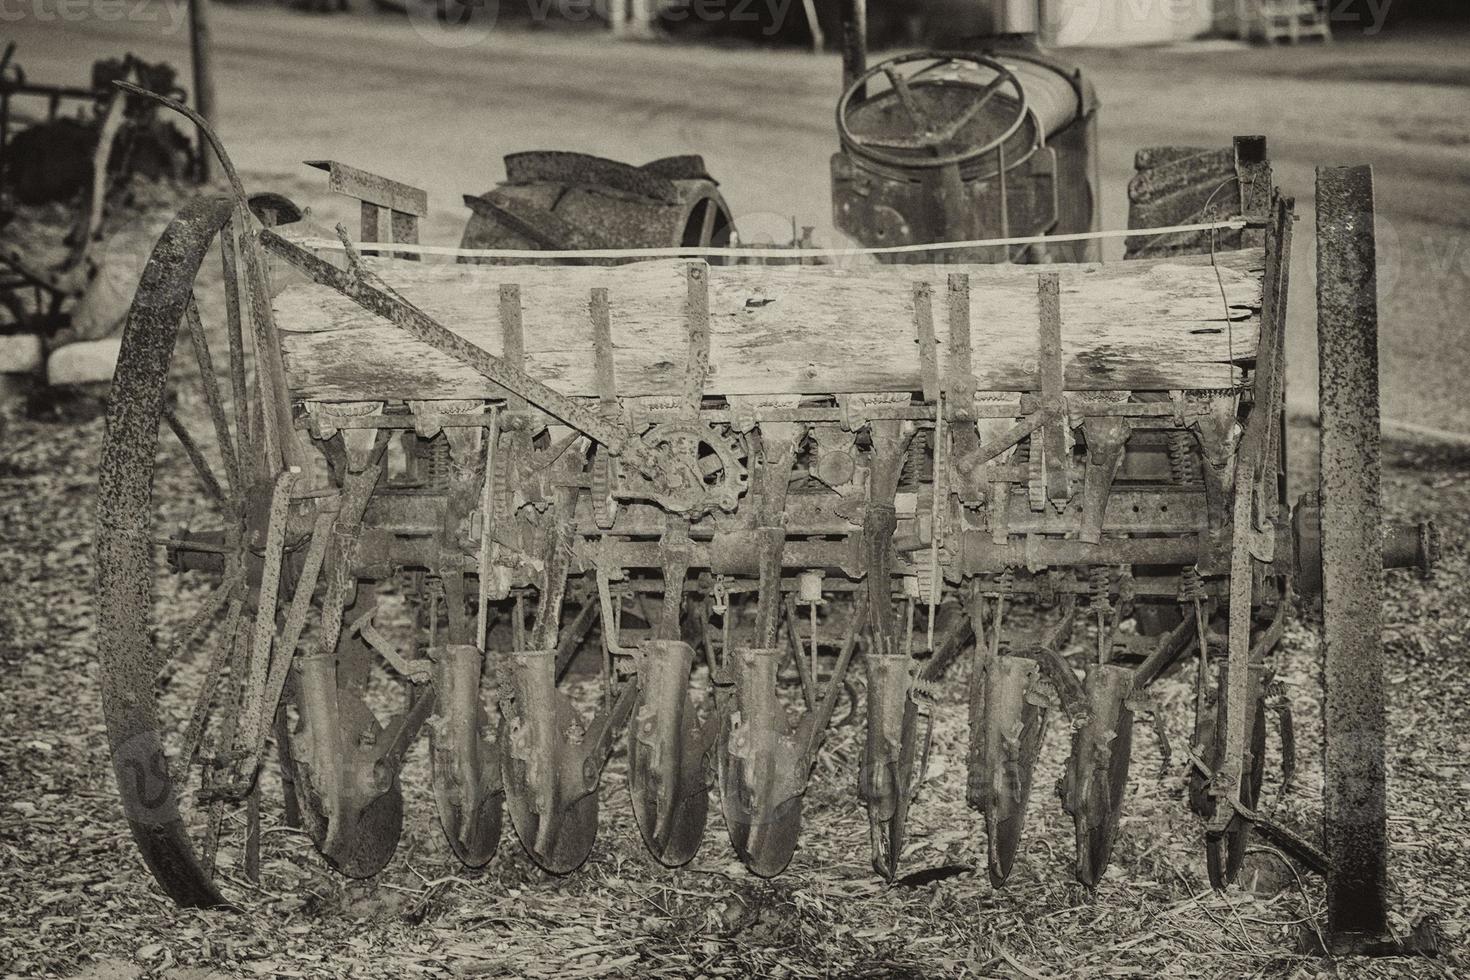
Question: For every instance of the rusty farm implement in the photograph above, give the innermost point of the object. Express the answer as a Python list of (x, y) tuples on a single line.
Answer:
[(435, 486)]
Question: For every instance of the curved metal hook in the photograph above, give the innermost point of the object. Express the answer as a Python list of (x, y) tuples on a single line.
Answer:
[(209, 134)]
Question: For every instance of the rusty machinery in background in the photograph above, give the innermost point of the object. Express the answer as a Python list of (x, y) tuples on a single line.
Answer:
[(442, 484), (995, 139), (554, 199), (87, 160)]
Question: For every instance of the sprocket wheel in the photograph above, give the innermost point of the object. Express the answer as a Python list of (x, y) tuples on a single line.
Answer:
[(717, 476), (604, 504)]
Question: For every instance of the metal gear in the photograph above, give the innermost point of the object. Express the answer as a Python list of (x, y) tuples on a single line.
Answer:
[(1035, 475), (924, 692), (503, 491), (604, 504), (717, 477)]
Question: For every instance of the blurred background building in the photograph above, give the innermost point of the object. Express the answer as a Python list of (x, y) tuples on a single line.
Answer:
[(1062, 23)]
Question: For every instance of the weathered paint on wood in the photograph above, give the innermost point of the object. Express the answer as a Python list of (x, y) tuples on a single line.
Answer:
[(1144, 325)]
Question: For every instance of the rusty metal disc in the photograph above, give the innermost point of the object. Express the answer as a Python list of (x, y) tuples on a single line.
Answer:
[(370, 821), (760, 767), (665, 764), (465, 754), (549, 790), (1007, 724), (1097, 771)]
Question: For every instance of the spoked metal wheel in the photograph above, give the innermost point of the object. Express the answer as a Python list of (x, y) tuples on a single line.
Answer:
[(189, 710), (172, 697)]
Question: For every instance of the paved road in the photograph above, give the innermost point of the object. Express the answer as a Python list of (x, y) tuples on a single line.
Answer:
[(373, 91)]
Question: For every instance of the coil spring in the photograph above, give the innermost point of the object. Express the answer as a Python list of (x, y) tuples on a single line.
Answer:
[(924, 578), (916, 465), (924, 692), (1220, 392), (1003, 584), (1102, 586), (1191, 585), (437, 464), (1183, 461)]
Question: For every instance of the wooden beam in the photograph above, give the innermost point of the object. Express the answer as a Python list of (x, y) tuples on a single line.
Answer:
[(372, 189), (1146, 325)]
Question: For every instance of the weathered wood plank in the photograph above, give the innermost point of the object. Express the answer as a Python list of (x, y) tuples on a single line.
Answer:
[(1144, 325)]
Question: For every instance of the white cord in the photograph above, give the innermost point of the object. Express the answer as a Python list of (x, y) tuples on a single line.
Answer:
[(695, 251)]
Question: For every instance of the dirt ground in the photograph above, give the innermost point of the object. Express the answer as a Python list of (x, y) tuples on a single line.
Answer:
[(78, 902)]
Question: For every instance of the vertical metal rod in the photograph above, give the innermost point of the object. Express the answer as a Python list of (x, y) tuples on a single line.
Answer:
[(960, 374), (1053, 389), (1352, 556), (487, 530), (812, 615), (512, 336), (602, 353), (854, 42), (696, 323), (235, 332), (199, 48), (252, 834), (1005, 197), (819, 41)]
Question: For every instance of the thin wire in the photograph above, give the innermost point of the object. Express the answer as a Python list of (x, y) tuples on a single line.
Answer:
[(695, 251), (1220, 281)]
